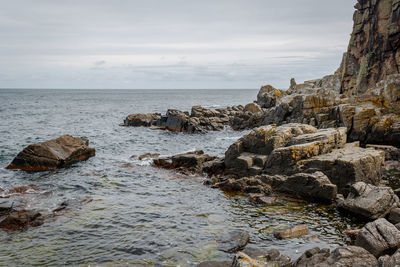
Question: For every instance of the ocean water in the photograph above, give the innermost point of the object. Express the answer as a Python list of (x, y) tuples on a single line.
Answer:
[(123, 211)]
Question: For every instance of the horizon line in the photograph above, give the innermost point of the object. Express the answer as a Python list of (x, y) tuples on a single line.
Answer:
[(31, 88)]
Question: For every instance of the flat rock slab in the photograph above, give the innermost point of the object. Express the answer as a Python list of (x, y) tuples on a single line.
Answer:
[(52, 154), (233, 241)]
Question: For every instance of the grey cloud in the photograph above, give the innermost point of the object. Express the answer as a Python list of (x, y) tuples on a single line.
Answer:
[(170, 44)]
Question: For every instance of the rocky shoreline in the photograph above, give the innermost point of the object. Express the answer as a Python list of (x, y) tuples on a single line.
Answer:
[(330, 140)]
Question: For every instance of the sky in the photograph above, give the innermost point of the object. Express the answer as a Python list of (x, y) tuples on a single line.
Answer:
[(170, 44)]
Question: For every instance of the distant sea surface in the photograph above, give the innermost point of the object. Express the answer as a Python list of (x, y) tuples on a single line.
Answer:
[(137, 215)]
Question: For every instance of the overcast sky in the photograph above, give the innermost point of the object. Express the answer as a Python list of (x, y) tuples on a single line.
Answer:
[(170, 43)]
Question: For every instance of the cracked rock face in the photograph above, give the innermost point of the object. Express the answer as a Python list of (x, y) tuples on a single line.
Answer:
[(370, 201), (379, 237), (374, 49)]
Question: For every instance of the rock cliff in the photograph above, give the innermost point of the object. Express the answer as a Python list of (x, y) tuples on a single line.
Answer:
[(374, 49)]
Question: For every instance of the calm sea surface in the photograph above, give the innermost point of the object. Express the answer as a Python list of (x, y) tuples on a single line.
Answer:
[(123, 211)]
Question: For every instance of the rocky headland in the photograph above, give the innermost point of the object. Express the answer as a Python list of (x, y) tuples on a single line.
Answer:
[(328, 140)]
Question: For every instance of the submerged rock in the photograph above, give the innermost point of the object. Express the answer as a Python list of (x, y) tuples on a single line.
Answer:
[(20, 219), (294, 232), (379, 237), (233, 241), (52, 154), (370, 201)]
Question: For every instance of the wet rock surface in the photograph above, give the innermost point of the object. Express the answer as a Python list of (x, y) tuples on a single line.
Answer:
[(293, 232), (19, 219), (233, 241), (52, 154)]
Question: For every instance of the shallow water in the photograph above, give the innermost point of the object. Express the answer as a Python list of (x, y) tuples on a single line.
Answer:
[(139, 214)]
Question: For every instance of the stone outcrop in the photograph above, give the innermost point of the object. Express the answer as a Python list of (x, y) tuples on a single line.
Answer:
[(314, 186), (52, 154), (379, 237), (201, 119), (370, 201), (291, 149), (277, 149)]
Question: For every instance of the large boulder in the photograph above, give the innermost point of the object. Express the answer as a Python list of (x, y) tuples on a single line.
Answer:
[(315, 186), (268, 96), (252, 108), (52, 154), (368, 201), (141, 119), (379, 237), (349, 165)]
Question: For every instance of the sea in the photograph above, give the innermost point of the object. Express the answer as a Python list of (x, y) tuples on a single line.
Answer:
[(122, 211)]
